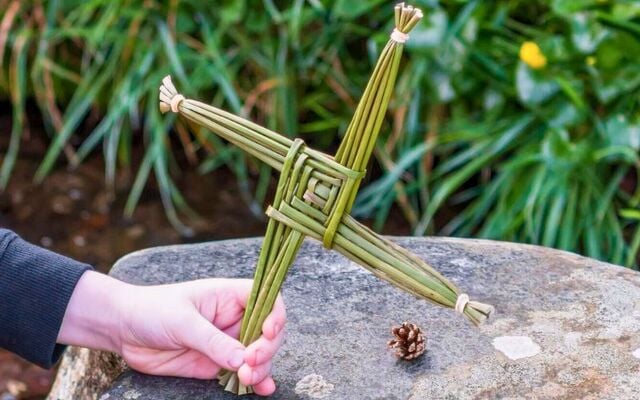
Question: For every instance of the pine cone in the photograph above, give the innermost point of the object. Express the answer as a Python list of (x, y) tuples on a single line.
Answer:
[(409, 342)]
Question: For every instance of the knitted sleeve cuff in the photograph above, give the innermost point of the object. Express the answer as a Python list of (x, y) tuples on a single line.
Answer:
[(35, 288)]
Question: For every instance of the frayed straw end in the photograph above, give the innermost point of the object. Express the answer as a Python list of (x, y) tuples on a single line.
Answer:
[(406, 18), (169, 97), (481, 313), (164, 107), (474, 310)]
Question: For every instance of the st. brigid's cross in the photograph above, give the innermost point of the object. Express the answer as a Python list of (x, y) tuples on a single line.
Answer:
[(315, 193)]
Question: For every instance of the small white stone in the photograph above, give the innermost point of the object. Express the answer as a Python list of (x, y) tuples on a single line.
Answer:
[(314, 386), (79, 241), (516, 347), (636, 353), (75, 194), (462, 262), (131, 394)]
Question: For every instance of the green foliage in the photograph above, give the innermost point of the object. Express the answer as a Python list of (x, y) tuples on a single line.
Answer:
[(477, 142), (546, 156)]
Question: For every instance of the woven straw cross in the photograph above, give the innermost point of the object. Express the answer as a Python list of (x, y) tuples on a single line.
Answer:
[(315, 193)]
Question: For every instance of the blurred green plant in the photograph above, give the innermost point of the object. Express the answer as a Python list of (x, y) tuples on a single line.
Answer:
[(528, 127), (514, 120)]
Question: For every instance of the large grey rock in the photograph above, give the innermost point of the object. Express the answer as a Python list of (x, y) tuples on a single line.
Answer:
[(84, 374), (565, 327)]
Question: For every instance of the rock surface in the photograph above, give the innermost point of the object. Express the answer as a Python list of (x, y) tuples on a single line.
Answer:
[(565, 326), (84, 374)]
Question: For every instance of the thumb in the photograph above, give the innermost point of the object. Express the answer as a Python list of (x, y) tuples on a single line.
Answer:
[(222, 349)]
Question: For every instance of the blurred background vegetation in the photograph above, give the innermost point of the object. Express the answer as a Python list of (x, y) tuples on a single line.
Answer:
[(514, 120)]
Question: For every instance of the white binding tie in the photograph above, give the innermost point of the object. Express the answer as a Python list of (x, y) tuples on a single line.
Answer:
[(175, 102), (399, 37), (461, 303)]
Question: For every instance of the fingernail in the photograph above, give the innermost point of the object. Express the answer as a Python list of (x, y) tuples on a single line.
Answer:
[(276, 329), (237, 358)]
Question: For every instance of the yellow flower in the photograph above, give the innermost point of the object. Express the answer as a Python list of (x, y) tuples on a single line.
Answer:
[(531, 54), (591, 60)]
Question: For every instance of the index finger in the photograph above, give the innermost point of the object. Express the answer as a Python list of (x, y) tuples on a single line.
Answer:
[(276, 319)]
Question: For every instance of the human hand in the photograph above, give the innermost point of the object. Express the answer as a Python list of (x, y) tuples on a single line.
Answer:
[(188, 329)]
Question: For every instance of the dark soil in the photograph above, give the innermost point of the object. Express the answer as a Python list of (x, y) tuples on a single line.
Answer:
[(72, 213)]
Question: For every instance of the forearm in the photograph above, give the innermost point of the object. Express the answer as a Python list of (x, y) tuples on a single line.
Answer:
[(93, 316)]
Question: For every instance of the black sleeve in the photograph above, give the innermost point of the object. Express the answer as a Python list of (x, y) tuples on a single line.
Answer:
[(35, 288)]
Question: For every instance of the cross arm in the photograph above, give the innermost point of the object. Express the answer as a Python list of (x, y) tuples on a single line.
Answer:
[(362, 132), (266, 145), (385, 259)]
